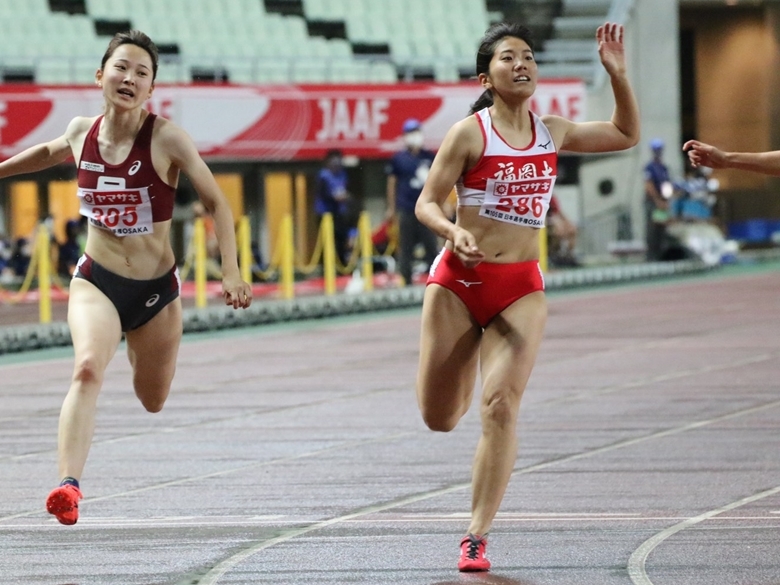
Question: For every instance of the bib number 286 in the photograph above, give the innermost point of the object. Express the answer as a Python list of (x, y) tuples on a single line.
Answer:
[(521, 205)]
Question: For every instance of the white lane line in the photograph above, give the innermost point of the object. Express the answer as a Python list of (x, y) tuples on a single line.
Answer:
[(213, 576), (532, 515), (665, 377), (457, 487), (637, 561), (584, 395), (224, 472), (113, 523), (633, 518), (244, 415), (332, 448), (657, 435)]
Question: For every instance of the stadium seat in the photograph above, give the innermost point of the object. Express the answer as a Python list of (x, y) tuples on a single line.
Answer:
[(585, 7), (272, 71), (22, 10), (242, 71), (445, 72), (53, 70), (173, 70), (242, 37), (314, 70), (383, 72), (348, 71)]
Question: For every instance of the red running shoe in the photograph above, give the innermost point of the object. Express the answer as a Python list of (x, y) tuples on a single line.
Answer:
[(472, 554), (63, 502)]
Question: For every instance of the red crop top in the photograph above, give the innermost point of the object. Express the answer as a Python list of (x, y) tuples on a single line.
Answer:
[(510, 184)]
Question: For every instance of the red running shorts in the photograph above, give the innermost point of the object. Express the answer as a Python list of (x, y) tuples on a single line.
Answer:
[(490, 287)]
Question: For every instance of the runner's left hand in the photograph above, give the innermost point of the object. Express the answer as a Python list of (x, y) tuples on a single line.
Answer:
[(236, 292), (611, 49)]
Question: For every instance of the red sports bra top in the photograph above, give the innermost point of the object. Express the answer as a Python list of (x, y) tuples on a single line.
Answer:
[(510, 184)]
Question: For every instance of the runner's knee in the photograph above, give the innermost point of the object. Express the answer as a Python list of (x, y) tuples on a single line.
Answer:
[(152, 400), (441, 420), (88, 371), (499, 409), (153, 407), (440, 423), (441, 409)]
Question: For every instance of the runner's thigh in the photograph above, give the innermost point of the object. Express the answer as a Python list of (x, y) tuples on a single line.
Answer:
[(153, 348), (510, 344), (94, 324), (449, 352)]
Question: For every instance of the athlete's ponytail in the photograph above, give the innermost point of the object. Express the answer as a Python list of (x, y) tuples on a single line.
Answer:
[(485, 100)]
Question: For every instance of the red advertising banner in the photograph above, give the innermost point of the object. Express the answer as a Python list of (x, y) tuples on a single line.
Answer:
[(275, 123)]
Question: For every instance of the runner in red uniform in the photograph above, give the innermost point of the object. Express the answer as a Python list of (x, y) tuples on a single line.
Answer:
[(484, 306), (128, 167)]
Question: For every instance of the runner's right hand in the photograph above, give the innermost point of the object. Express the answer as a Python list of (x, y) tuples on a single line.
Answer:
[(464, 244)]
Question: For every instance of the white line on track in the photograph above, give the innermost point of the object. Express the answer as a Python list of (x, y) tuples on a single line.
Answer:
[(665, 377), (205, 423), (570, 398), (224, 472), (522, 471), (637, 561), (125, 523), (213, 576)]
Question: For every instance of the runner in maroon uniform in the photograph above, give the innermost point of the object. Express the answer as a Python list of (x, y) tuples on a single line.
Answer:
[(128, 166), (484, 303)]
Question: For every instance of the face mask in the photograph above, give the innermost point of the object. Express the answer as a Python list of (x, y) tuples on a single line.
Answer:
[(413, 139)]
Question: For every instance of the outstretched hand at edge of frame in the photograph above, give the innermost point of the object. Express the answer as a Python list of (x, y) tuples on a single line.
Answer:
[(704, 155)]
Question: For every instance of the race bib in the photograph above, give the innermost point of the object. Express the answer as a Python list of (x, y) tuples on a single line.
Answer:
[(124, 212), (520, 201)]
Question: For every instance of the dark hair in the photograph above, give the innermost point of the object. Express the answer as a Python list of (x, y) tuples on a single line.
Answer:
[(137, 38), (487, 47)]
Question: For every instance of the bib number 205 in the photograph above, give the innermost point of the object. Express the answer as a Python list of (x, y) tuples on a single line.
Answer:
[(112, 216)]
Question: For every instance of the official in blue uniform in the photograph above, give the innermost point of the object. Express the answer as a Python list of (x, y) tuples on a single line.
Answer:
[(406, 174)]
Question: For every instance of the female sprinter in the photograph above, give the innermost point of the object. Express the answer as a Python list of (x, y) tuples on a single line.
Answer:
[(128, 167), (484, 303)]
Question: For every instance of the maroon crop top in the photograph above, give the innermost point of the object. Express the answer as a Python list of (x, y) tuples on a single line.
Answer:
[(127, 198)]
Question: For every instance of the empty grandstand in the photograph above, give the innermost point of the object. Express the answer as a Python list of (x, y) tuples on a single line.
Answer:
[(290, 41)]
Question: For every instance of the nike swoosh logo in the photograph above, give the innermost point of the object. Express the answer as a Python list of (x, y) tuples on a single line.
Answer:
[(467, 283)]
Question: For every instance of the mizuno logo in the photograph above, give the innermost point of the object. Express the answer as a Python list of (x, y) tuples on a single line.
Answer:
[(467, 283), (545, 145)]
